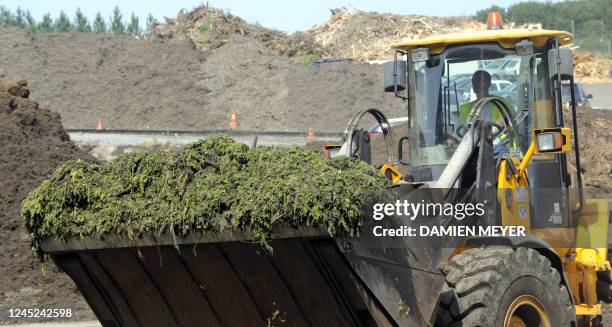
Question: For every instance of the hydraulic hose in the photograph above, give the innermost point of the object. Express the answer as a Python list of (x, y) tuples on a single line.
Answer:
[(351, 129), (505, 111)]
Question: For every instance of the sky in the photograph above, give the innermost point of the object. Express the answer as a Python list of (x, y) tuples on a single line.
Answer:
[(287, 16)]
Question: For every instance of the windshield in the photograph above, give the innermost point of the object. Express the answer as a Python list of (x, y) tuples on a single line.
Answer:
[(446, 88)]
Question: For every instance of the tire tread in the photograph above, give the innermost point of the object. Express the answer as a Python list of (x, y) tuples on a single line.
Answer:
[(473, 282)]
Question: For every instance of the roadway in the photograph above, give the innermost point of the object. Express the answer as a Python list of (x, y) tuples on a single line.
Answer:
[(602, 95)]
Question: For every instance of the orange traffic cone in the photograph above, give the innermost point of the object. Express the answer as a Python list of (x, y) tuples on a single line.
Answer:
[(311, 135), (234, 121), (99, 125)]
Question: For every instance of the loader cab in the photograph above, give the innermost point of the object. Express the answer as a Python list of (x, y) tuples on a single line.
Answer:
[(441, 77), (436, 77)]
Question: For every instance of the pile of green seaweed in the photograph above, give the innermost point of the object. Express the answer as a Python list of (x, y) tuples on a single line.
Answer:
[(209, 186)]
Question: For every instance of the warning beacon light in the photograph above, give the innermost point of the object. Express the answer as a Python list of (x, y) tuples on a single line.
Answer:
[(494, 21)]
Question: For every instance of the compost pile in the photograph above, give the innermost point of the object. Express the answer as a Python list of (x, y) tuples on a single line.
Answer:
[(32, 143), (136, 84), (367, 35), (209, 186), (595, 137), (209, 28), (590, 68)]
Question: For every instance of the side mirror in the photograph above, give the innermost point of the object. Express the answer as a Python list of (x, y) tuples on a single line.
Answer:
[(552, 140), (564, 58), (396, 74), (589, 96)]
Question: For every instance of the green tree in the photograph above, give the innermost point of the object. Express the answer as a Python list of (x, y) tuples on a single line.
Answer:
[(133, 27), (99, 25), (6, 17), (46, 24), (116, 22), (20, 20), (30, 21), (63, 24), (149, 27), (590, 36), (80, 22)]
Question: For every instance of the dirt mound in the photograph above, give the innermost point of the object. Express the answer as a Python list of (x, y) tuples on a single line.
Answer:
[(209, 28), (367, 35), (126, 82), (595, 138), (270, 92), (137, 84), (590, 68), (33, 143)]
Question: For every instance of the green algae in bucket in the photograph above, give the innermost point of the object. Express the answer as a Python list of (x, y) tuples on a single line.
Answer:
[(209, 186)]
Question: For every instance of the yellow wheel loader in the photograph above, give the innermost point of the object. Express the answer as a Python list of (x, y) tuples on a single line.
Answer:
[(542, 259)]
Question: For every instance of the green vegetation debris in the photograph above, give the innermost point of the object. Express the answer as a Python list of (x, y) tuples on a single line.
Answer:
[(209, 186), (204, 29)]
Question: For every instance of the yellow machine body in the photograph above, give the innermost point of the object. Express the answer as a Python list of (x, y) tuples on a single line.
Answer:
[(581, 263), (506, 38)]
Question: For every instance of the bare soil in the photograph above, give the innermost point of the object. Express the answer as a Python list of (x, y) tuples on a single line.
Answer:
[(125, 82), (595, 139), (270, 92), (32, 143), (138, 84)]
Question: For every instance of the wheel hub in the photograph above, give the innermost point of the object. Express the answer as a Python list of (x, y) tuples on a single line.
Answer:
[(526, 311)]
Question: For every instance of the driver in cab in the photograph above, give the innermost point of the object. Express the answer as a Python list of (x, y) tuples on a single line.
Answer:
[(481, 82)]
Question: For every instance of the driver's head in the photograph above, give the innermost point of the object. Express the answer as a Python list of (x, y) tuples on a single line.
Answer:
[(481, 82)]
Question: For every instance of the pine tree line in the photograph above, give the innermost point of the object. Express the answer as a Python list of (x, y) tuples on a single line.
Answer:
[(80, 23)]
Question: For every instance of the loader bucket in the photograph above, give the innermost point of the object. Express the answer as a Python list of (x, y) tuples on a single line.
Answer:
[(223, 280)]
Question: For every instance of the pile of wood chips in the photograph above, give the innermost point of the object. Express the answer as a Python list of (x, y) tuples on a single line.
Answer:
[(590, 68), (367, 35)]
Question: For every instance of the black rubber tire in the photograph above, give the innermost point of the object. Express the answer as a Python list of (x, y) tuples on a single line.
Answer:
[(481, 283), (604, 286)]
